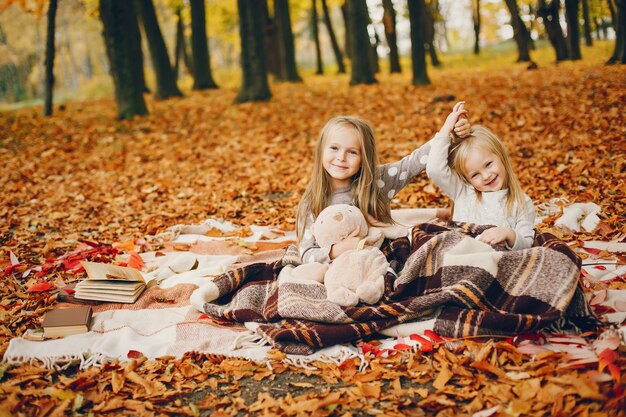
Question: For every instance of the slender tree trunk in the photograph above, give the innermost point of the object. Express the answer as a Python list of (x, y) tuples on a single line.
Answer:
[(49, 63), (476, 19), (619, 53), (346, 24), (286, 48), (587, 23), (254, 85), (165, 79), (333, 39), (123, 46), (316, 38), (202, 76), (417, 14), (72, 80), (573, 35), (389, 22), (549, 14), (181, 46), (362, 71), (429, 33), (613, 14), (520, 33), (373, 51), (272, 57)]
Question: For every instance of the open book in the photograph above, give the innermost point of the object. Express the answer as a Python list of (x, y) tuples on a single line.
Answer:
[(111, 283)]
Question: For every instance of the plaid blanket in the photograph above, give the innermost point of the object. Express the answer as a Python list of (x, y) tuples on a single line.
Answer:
[(470, 288)]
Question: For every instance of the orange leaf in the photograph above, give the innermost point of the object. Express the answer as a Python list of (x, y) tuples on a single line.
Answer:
[(135, 261)]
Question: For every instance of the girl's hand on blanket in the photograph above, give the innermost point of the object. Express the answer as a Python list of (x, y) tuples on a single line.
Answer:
[(497, 235), (345, 245)]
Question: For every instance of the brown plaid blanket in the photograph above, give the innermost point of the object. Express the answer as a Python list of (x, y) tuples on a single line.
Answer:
[(471, 289)]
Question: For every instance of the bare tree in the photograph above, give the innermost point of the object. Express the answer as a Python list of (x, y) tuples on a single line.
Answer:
[(573, 34), (254, 86), (362, 70), (123, 45), (49, 63), (202, 76), (316, 38), (417, 13), (286, 49), (549, 13), (476, 21), (333, 39), (165, 79), (389, 22), (520, 32)]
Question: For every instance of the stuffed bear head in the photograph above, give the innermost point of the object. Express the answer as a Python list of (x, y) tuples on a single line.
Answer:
[(337, 222)]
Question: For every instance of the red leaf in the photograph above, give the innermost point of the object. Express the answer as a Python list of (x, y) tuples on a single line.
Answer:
[(40, 287), (425, 344), (433, 336), (600, 267), (592, 250), (70, 291), (402, 346), (203, 316), (134, 354)]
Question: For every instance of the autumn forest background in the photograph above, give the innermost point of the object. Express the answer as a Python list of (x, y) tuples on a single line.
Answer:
[(146, 114)]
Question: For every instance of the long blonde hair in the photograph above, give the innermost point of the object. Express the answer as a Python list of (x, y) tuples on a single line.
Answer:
[(366, 195), (484, 138)]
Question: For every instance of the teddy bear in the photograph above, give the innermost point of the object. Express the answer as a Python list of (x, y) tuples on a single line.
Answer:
[(356, 275)]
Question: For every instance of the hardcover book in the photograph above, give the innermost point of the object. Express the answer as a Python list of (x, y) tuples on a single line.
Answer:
[(112, 283), (66, 321)]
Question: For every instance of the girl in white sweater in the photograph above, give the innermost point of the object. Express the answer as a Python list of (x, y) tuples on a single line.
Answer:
[(477, 174)]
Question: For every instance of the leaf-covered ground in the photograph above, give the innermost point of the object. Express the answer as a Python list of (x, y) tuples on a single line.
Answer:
[(82, 176)]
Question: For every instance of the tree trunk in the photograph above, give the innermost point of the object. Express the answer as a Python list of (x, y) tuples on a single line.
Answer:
[(389, 22), (333, 39), (417, 14), (573, 35), (362, 71), (373, 51), (202, 76), (429, 33), (619, 53), (316, 38), (254, 86), (520, 33), (476, 19), (286, 50), (272, 59), (49, 63), (549, 14), (346, 24), (165, 81), (123, 46), (587, 23), (613, 15), (181, 46)]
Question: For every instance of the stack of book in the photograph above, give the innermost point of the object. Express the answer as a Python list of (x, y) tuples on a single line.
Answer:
[(112, 283), (62, 322)]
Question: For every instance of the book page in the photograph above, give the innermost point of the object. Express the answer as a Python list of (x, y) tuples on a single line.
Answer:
[(97, 270)]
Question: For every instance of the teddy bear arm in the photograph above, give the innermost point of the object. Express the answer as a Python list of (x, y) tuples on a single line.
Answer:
[(343, 297), (371, 292)]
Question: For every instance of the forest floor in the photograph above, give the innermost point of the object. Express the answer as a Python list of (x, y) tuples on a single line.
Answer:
[(80, 175)]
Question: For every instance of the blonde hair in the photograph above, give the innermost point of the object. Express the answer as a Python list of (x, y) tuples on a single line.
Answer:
[(484, 138), (366, 194)]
